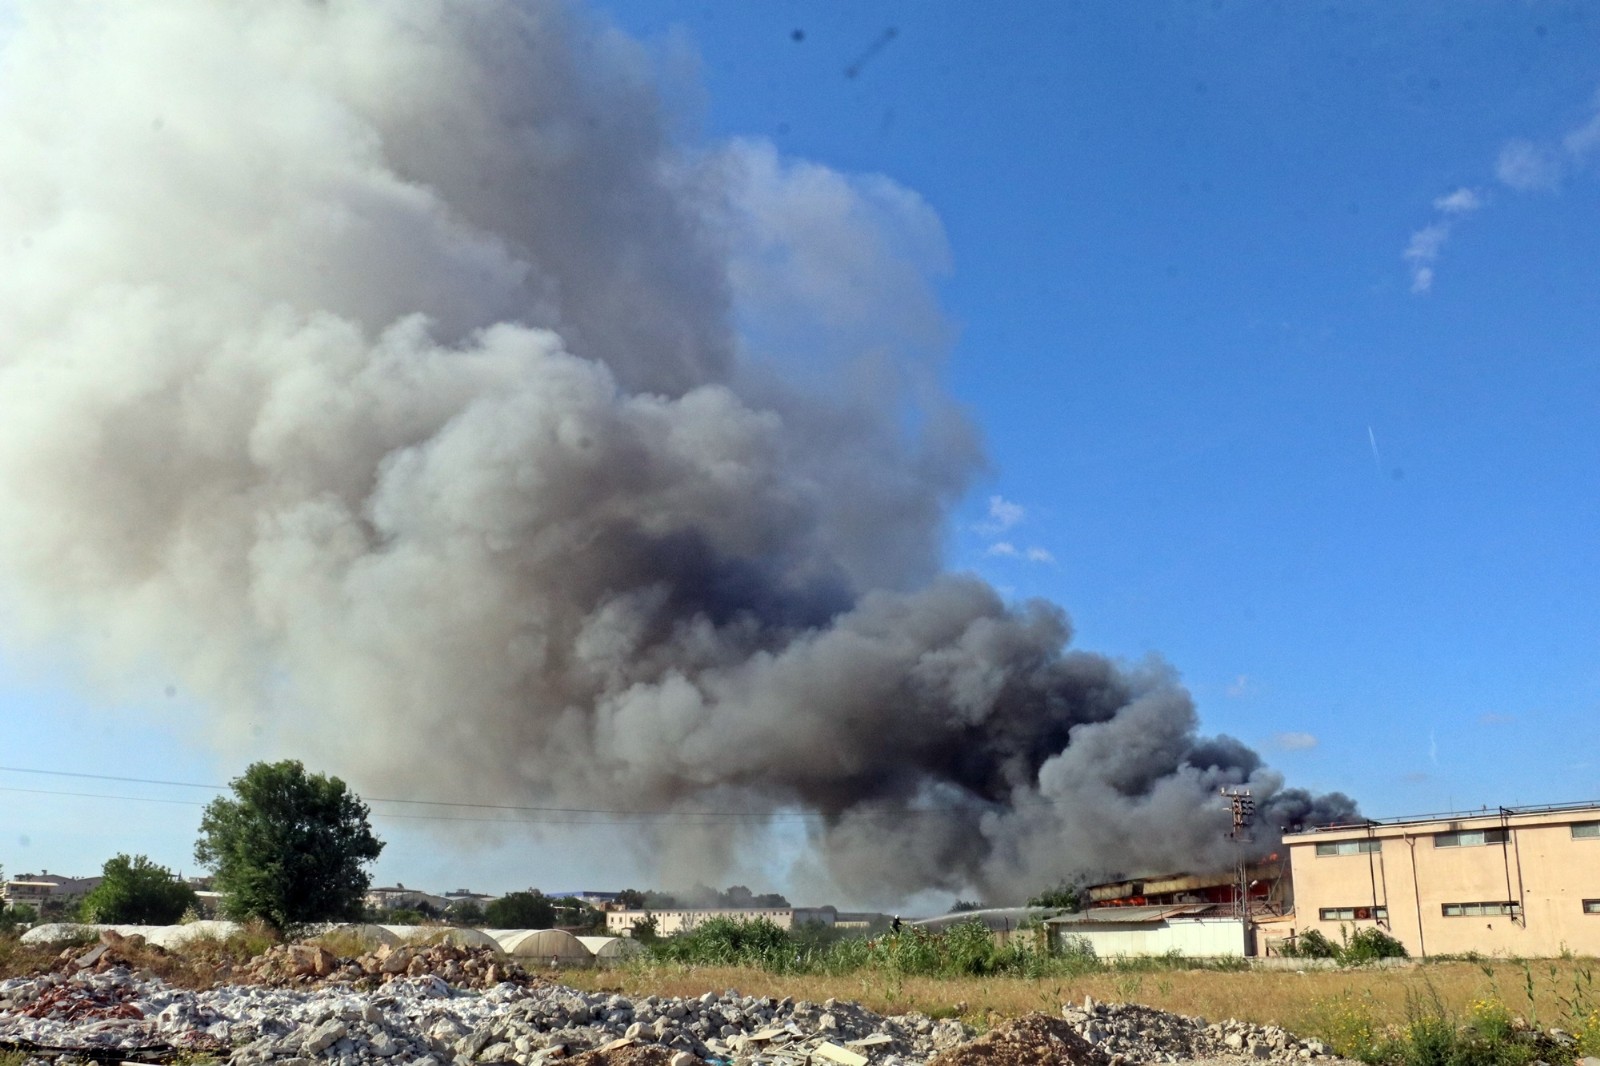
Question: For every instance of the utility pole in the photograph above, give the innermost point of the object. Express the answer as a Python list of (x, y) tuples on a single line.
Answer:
[(1243, 808)]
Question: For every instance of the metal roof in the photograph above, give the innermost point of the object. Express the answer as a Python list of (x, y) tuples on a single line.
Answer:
[(1133, 915)]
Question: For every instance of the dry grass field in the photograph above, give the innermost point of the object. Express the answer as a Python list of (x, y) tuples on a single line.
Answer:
[(1321, 1003)]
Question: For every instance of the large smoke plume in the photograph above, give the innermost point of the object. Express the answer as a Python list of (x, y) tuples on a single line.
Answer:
[(399, 373)]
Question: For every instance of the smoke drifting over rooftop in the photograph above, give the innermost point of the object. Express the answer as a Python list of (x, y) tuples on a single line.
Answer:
[(397, 373)]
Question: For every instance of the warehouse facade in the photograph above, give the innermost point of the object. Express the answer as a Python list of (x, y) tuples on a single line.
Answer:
[(1521, 881)]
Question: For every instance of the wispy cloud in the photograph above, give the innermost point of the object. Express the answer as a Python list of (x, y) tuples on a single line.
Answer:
[(1426, 243), (1006, 550), (1494, 718), (1243, 685), (1523, 165), (1527, 167), (1294, 741), (1463, 201), (1003, 514)]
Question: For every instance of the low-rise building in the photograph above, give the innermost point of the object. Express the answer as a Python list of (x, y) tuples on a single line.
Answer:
[(399, 897), (26, 893), (1192, 930), (1521, 881), (52, 894), (676, 920)]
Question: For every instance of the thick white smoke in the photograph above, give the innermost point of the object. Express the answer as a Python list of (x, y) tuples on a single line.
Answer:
[(394, 371)]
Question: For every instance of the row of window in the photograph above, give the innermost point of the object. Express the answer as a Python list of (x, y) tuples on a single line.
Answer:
[(1476, 910), (1471, 838), (1450, 910), (1353, 914), (1349, 847), (1460, 838)]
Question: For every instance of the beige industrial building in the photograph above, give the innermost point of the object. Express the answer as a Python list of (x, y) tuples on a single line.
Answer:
[(670, 921), (1521, 881)]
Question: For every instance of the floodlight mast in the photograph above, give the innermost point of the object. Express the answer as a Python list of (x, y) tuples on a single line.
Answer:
[(1243, 808)]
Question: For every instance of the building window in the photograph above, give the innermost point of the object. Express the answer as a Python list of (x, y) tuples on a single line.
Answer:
[(1353, 914), (1590, 830), (1471, 838), (1349, 847), (1591, 906), (1477, 910)]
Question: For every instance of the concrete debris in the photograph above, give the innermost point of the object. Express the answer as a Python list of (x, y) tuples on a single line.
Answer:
[(421, 1019), (1128, 1033), (1032, 1040), (309, 964)]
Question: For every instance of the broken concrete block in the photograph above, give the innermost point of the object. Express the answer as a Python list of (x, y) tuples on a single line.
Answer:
[(842, 1055)]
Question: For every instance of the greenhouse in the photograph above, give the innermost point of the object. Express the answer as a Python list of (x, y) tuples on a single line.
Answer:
[(543, 945), (611, 950), (455, 936)]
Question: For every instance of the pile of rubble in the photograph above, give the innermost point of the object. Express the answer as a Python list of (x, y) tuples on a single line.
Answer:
[(1032, 1040), (424, 1021), (306, 964), (112, 950), (1127, 1033)]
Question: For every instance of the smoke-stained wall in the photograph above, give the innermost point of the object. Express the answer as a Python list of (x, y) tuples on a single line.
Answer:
[(396, 372)]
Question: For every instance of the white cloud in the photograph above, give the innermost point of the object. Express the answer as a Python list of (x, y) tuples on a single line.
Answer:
[(1240, 686), (1423, 252), (1003, 514), (1526, 166), (1007, 550), (1463, 201), (1584, 139), (1294, 741)]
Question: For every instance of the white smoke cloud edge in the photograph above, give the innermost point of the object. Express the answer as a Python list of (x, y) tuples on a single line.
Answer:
[(394, 374)]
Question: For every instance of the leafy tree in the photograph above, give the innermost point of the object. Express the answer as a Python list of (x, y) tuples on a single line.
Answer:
[(404, 916), (15, 915), (645, 930), (465, 912), (1064, 895), (573, 913), (521, 910), (136, 891), (289, 848), (631, 898), (962, 905)]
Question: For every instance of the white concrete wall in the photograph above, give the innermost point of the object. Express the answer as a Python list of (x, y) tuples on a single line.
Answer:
[(1203, 938)]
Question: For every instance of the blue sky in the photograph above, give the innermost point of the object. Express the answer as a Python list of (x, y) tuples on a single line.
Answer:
[(1347, 492)]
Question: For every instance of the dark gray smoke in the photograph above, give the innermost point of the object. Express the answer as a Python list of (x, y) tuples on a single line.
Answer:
[(394, 374)]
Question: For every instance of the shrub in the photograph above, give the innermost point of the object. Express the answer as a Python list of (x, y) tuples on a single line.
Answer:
[(1370, 944)]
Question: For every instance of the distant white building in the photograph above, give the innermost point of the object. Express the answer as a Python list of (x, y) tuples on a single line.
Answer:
[(677, 920), (47, 891), (398, 897)]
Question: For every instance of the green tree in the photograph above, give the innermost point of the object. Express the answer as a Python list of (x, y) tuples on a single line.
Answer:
[(521, 910), (138, 892), (645, 930), (289, 847), (465, 912), (1064, 895), (15, 915)]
